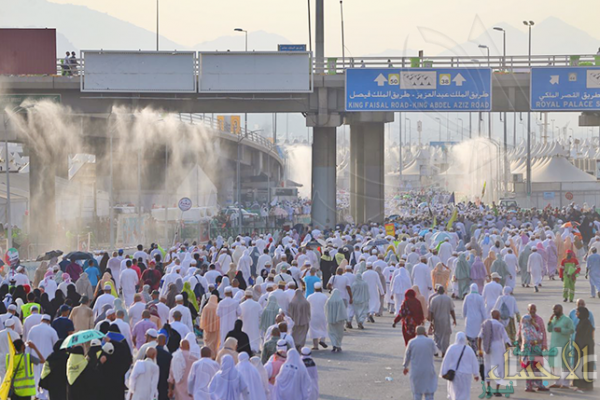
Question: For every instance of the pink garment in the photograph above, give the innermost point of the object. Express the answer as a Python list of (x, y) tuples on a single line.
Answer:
[(180, 390)]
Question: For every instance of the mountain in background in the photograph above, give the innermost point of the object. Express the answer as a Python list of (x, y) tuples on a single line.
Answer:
[(82, 27), (551, 36), (259, 41)]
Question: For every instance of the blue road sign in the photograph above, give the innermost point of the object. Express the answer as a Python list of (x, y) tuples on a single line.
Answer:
[(291, 47), (418, 89), (565, 88)]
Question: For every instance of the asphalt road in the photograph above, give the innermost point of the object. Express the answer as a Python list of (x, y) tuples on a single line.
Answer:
[(370, 365)]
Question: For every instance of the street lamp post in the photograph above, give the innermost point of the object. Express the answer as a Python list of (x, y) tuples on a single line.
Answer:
[(309, 30), (483, 46), (239, 150), (470, 125), (246, 34), (399, 151), (497, 28), (462, 129), (343, 44), (440, 124), (409, 130), (7, 163), (529, 24)]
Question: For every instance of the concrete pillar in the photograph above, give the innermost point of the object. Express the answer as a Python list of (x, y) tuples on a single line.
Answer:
[(323, 177), (374, 172), (357, 167), (367, 171)]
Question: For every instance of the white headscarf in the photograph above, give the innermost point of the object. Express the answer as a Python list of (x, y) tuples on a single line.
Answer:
[(194, 348), (227, 383), (468, 363), (293, 381), (257, 363), (251, 376)]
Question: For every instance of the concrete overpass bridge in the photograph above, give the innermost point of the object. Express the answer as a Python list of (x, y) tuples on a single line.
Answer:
[(145, 174), (324, 109)]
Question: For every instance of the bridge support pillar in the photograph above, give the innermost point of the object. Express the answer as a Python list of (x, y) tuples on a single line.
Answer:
[(367, 166), (324, 177)]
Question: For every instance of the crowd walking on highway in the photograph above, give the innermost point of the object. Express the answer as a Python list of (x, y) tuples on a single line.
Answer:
[(241, 318)]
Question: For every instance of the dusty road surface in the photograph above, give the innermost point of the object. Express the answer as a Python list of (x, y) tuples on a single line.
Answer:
[(370, 366)]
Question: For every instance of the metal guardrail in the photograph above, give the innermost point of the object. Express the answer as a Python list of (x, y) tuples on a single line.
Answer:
[(216, 125), (337, 65)]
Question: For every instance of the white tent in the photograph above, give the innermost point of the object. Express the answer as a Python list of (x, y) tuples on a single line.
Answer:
[(559, 170)]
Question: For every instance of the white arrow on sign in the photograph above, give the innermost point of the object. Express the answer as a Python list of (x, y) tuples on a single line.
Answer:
[(381, 80), (458, 79), (554, 79)]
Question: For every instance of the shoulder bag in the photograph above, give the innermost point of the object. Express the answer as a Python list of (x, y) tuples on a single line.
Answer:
[(449, 376)]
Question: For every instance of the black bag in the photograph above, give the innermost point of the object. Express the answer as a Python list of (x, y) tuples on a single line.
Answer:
[(449, 376)]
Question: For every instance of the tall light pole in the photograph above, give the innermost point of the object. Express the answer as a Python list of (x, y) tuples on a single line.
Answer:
[(239, 150), (399, 151), (409, 130), (440, 123), (483, 46), (157, 25), (343, 44), (497, 28), (309, 30), (487, 48), (470, 125), (7, 160), (529, 24), (462, 128), (246, 34)]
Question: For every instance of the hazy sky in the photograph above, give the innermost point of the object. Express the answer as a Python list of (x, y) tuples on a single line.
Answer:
[(371, 25)]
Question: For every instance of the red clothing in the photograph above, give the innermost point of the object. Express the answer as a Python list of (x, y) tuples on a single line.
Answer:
[(151, 277), (567, 262), (137, 271), (411, 314)]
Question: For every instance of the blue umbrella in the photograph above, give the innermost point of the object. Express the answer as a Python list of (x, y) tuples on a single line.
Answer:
[(439, 237), (81, 337)]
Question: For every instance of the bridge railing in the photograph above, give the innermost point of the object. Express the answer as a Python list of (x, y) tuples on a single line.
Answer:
[(337, 65), (224, 128)]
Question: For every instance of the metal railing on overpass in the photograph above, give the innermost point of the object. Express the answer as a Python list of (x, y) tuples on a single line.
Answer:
[(224, 127), (337, 65)]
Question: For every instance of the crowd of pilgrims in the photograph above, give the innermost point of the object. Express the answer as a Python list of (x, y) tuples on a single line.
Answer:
[(240, 318)]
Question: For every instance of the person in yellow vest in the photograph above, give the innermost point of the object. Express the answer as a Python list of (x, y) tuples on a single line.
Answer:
[(23, 381), (26, 308)]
